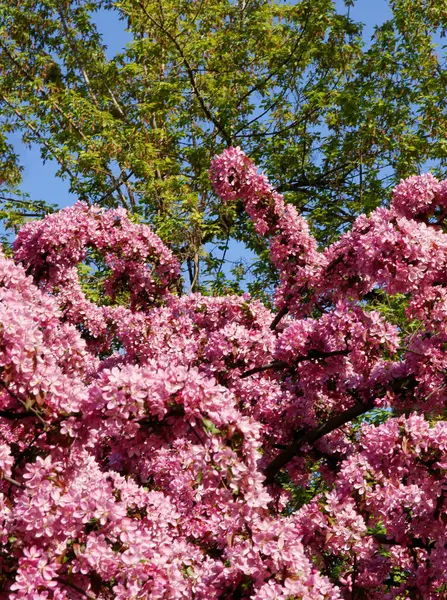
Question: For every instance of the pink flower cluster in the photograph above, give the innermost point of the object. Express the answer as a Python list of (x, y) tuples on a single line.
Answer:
[(165, 447), (419, 196), (386, 487), (293, 250), (52, 249), (397, 254)]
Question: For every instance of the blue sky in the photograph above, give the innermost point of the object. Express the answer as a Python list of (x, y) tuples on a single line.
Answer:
[(39, 179), (369, 12)]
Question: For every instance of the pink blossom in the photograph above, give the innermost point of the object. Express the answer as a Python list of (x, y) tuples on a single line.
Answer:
[(138, 435)]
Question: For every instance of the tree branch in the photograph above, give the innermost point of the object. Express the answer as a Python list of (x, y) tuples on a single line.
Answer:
[(281, 313), (282, 64), (276, 365), (13, 416), (319, 182), (414, 543), (57, 108), (23, 403), (75, 588), (280, 364), (190, 73), (312, 436), (41, 138), (11, 481), (117, 185)]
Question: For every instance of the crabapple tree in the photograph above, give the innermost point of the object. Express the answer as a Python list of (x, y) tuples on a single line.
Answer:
[(191, 447)]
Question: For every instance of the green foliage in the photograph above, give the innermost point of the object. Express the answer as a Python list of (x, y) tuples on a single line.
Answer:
[(397, 578), (375, 417), (393, 309), (16, 209), (300, 494), (209, 427)]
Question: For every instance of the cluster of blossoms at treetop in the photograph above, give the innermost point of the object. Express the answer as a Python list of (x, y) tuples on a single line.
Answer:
[(194, 447)]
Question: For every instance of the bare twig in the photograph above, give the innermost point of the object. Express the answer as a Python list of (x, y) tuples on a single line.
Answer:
[(11, 481), (115, 187)]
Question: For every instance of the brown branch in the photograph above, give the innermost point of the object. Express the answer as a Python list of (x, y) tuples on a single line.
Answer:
[(280, 364), (312, 436), (277, 132), (25, 215), (117, 185), (13, 416), (307, 115), (413, 543), (27, 203), (440, 504), (151, 421), (195, 281), (276, 365), (320, 182), (281, 313), (267, 110), (76, 588), (190, 271), (22, 402)]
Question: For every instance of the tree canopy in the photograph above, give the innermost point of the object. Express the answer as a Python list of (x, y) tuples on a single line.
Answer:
[(162, 433), (197, 447), (334, 121)]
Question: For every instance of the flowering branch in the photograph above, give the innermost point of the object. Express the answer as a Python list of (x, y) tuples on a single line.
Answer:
[(280, 364), (153, 441), (312, 436), (75, 588)]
